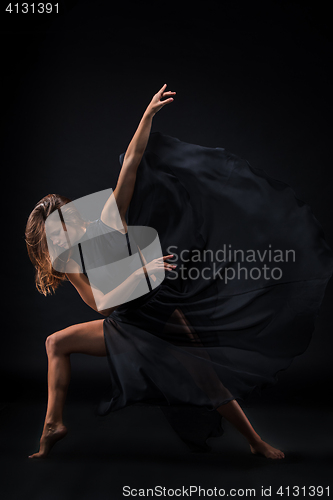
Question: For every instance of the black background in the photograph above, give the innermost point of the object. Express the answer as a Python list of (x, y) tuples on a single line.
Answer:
[(253, 77)]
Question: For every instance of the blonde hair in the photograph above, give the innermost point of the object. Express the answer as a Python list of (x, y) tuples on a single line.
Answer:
[(47, 279)]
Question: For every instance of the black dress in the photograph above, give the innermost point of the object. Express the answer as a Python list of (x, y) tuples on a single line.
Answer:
[(255, 266)]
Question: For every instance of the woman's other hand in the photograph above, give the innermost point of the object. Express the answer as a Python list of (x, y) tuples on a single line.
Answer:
[(157, 103), (157, 266)]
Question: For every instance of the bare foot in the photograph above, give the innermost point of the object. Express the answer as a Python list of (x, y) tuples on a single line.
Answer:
[(51, 434), (260, 447)]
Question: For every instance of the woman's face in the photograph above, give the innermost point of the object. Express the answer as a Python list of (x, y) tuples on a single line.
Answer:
[(59, 237)]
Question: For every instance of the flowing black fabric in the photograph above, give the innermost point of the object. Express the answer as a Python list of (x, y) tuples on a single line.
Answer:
[(199, 341)]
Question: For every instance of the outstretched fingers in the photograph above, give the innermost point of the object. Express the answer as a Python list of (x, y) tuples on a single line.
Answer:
[(162, 89), (159, 100), (166, 264), (161, 93)]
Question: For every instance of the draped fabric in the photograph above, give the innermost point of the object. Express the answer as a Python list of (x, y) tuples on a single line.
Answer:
[(252, 269)]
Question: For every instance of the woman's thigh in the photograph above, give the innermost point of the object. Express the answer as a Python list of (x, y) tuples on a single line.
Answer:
[(85, 338)]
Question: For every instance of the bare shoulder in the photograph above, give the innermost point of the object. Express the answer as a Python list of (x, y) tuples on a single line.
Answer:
[(88, 292), (72, 267), (76, 277), (112, 222)]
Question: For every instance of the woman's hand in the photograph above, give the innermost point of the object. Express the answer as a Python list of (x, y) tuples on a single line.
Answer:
[(156, 103), (157, 265)]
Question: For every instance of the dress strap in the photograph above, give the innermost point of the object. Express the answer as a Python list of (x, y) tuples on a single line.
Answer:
[(146, 274), (128, 244), (82, 260)]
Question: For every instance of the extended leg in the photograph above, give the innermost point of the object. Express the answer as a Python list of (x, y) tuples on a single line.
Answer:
[(203, 374), (207, 379), (235, 415), (86, 338)]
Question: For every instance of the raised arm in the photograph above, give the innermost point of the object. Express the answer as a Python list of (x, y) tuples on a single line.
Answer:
[(123, 191)]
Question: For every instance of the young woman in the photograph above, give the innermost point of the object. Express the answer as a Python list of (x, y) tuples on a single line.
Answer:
[(195, 340)]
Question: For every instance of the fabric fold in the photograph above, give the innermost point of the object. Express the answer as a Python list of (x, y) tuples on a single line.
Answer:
[(230, 322)]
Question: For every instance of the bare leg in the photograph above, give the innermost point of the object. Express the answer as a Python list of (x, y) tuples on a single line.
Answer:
[(203, 374), (231, 411), (235, 415), (86, 338)]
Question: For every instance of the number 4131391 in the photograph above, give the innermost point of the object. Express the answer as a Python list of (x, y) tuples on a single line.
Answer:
[(38, 8)]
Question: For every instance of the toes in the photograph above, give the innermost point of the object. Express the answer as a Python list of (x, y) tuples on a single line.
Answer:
[(36, 455)]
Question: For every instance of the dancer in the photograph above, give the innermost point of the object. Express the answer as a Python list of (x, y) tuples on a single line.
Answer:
[(200, 342)]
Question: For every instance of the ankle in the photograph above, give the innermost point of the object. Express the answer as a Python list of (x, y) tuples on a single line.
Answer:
[(254, 440), (52, 423)]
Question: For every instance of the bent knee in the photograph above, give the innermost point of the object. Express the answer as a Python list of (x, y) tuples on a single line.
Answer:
[(53, 343), (86, 338)]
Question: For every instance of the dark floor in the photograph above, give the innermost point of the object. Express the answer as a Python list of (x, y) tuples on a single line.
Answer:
[(137, 447)]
